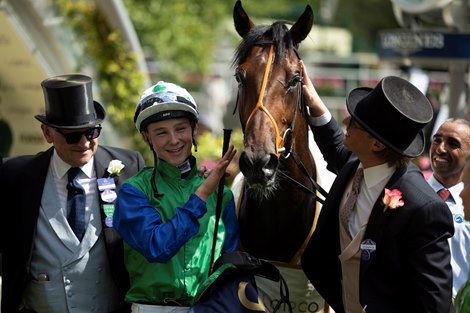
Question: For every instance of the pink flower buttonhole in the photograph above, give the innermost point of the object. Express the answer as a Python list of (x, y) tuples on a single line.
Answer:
[(392, 199)]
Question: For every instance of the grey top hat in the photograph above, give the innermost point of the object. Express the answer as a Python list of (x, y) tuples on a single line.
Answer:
[(69, 102), (394, 112)]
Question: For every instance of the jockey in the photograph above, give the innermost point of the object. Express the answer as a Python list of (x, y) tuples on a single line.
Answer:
[(165, 214)]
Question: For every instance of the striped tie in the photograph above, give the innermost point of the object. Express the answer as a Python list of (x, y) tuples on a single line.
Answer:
[(345, 212)]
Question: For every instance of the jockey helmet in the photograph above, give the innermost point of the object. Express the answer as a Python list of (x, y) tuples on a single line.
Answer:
[(164, 101)]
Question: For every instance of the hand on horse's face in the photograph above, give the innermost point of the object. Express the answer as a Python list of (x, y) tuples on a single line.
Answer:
[(215, 175), (312, 99)]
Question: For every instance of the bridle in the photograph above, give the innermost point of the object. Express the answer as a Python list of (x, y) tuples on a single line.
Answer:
[(280, 150)]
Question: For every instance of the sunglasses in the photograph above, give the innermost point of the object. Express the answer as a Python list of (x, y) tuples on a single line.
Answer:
[(75, 137)]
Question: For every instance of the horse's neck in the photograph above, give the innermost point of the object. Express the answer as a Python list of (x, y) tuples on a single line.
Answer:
[(276, 228)]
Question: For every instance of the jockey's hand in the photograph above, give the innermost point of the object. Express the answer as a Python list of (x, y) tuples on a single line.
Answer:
[(215, 175), (203, 171)]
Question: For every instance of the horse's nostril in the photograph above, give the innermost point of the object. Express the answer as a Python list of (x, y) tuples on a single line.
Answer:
[(258, 169), (245, 163), (270, 165)]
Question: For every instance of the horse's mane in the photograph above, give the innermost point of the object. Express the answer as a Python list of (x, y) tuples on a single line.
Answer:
[(265, 35)]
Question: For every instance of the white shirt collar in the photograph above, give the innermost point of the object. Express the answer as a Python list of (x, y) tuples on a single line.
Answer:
[(376, 174), (435, 184), (454, 190), (60, 167)]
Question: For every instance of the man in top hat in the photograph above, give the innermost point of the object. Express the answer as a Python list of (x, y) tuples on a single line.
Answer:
[(60, 250), (380, 244)]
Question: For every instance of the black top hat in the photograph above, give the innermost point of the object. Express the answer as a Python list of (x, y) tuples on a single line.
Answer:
[(69, 102), (394, 112)]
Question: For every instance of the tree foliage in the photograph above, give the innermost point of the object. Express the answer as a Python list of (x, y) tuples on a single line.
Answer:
[(117, 74), (179, 35)]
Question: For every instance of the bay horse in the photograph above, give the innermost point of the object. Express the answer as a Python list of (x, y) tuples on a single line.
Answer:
[(277, 206)]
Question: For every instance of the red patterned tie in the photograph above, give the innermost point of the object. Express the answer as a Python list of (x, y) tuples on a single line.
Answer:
[(444, 194), (345, 212)]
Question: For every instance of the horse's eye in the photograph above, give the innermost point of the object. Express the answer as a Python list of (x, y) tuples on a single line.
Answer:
[(239, 77), (293, 83)]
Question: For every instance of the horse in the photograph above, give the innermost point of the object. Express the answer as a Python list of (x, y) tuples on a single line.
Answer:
[(277, 207), (278, 203)]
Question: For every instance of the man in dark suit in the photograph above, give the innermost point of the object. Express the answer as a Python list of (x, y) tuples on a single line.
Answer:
[(381, 247), (54, 260)]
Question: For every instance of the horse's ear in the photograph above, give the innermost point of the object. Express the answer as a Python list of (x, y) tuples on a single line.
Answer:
[(301, 28), (242, 22)]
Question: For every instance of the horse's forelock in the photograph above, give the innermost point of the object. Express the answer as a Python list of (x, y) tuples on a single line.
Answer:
[(277, 33)]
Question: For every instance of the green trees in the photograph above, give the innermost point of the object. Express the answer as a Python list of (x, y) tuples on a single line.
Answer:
[(179, 35), (179, 38)]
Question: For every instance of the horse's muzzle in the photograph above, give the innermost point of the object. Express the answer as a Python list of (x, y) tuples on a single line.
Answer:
[(258, 170)]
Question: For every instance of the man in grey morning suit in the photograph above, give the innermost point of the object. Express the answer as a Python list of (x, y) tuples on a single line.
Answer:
[(46, 266)]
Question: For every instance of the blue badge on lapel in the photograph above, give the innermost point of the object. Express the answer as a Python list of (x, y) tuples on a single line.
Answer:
[(107, 187), (458, 218), (368, 246)]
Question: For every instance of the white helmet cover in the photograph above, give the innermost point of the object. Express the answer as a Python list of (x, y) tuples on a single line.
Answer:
[(164, 101)]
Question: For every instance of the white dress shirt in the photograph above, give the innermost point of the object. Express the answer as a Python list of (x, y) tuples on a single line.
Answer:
[(372, 185), (459, 243), (86, 178), (454, 202)]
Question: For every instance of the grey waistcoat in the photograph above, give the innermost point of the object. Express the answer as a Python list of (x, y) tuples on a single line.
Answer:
[(79, 278)]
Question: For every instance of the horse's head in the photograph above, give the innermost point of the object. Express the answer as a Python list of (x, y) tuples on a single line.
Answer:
[(268, 72)]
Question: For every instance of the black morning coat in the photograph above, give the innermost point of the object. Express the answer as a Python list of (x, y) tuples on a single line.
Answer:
[(409, 270), (22, 182)]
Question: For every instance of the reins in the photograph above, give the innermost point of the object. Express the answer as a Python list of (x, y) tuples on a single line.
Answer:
[(299, 163)]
